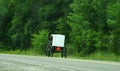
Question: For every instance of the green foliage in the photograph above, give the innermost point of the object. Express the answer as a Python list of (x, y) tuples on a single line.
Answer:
[(94, 24), (39, 41), (114, 20), (89, 25)]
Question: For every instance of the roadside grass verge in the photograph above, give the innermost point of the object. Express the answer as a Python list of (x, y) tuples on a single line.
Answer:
[(24, 52), (95, 56), (98, 56)]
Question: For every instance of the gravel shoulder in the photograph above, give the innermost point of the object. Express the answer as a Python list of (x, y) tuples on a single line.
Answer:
[(9, 62), (17, 66)]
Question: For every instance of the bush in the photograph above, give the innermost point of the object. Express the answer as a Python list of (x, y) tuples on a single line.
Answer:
[(39, 41)]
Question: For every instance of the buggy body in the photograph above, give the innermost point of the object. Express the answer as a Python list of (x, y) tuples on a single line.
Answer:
[(56, 44)]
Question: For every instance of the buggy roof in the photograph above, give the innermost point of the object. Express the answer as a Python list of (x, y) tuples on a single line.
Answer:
[(58, 40)]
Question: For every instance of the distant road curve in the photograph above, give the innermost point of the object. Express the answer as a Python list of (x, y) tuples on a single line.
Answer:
[(11, 62)]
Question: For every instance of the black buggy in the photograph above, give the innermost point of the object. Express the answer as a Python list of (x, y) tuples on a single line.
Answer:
[(56, 45)]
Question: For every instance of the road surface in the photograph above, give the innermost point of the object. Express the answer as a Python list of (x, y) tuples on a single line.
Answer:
[(10, 62)]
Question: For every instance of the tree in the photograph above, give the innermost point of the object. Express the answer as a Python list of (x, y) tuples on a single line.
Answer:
[(88, 21), (113, 23)]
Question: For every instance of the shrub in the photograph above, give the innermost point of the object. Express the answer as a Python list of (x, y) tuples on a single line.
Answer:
[(39, 41)]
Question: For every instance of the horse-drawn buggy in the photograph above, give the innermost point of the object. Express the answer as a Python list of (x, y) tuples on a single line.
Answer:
[(56, 44)]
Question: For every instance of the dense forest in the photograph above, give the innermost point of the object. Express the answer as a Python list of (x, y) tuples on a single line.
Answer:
[(89, 25)]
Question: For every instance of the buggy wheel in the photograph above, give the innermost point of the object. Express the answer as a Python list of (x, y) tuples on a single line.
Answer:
[(62, 54), (48, 53), (52, 51), (65, 52)]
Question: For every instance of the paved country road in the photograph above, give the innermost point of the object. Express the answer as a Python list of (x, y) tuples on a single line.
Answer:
[(9, 62)]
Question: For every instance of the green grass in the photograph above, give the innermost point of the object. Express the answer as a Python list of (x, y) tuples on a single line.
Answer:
[(98, 56), (95, 56), (104, 56), (28, 52)]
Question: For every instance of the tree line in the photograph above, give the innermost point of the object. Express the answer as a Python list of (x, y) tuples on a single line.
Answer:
[(89, 25)]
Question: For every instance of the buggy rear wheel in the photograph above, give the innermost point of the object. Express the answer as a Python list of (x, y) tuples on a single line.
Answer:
[(48, 53), (64, 52)]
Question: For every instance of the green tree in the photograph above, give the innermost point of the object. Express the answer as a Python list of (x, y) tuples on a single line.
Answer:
[(89, 25), (113, 23)]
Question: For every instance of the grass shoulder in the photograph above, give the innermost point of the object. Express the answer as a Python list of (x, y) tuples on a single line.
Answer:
[(94, 56)]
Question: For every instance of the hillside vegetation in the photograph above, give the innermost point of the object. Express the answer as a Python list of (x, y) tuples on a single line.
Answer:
[(91, 27)]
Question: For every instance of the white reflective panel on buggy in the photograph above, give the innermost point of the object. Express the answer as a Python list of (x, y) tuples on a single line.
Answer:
[(58, 40)]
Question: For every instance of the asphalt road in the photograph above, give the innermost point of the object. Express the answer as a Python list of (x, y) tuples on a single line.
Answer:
[(9, 62)]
